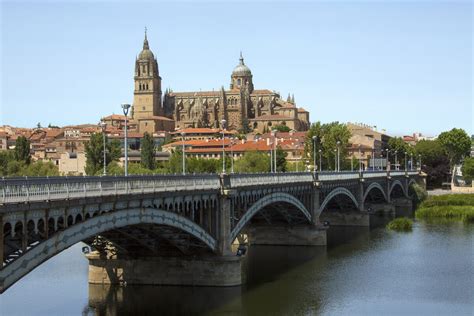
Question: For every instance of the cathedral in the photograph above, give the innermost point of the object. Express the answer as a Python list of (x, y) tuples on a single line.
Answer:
[(241, 106)]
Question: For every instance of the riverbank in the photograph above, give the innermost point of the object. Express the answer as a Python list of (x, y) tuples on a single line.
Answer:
[(451, 206)]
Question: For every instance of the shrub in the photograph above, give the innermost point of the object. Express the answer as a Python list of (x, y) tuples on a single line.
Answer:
[(401, 224)]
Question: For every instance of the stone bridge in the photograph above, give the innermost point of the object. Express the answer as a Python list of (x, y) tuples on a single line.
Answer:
[(174, 229)]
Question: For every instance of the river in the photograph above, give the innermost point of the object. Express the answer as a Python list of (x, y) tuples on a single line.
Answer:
[(429, 271)]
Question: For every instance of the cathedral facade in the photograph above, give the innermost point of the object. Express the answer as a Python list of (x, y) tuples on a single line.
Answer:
[(241, 106)]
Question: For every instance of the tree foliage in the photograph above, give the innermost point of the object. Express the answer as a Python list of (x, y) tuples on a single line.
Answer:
[(280, 160), (456, 143), (22, 149), (252, 162), (147, 151), (281, 128), (467, 169), (434, 161), (397, 144), (327, 136), (94, 150)]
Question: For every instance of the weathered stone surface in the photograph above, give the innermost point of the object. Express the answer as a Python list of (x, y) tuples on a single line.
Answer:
[(346, 219), (203, 271), (302, 235)]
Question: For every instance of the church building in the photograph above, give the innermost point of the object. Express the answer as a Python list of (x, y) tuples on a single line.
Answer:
[(241, 106)]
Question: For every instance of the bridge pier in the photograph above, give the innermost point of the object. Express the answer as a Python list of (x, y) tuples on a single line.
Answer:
[(286, 235), (346, 218), (200, 271), (403, 206)]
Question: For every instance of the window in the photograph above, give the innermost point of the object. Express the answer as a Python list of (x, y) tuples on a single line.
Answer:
[(239, 81)]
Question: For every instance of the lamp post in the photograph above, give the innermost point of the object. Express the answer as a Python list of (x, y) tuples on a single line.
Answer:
[(184, 153), (338, 157), (232, 155), (125, 108), (314, 152), (320, 161), (386, 167), (335, 159), (406, 160), (360, 159), (274, 133), (396, 160), (103, 126), (411, 161), (271, 156), (381, 161), (223, 150), (296, 154), (419, 159)]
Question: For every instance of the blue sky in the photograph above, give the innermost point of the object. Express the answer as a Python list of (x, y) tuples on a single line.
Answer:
[(402, 66)]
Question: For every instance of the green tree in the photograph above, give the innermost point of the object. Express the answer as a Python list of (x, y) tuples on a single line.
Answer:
[(467, 169), (22, 149), (280, 160), (94, 149), (253, 162), (456, 144), (434, 161), (245, 129), (281, 128), (397, 144), (147, 152), (5, 157), (327, 138)]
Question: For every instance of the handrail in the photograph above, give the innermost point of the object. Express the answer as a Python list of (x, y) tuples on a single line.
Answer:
[(30, 189)]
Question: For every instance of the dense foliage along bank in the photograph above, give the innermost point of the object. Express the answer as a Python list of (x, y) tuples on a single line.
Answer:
[(454, 206)]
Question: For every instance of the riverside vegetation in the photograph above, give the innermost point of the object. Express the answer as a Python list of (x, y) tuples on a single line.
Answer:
[(451, 206), (401, 224)]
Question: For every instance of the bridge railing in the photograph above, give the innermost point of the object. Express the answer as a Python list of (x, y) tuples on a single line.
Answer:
[(14, 190), (241, 180)]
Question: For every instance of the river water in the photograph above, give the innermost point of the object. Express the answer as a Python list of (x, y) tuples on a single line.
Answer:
[(429, 271)]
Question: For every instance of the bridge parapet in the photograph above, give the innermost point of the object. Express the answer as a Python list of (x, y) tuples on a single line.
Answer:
[(242, 180), (16, 190)]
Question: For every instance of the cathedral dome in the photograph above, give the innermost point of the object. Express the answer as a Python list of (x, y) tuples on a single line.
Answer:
[(241, 69), (146, 53)]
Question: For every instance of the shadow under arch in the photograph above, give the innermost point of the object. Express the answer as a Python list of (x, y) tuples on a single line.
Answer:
[(394, 184), (372, 186), (94, 226), (336, 192), (276, 197)]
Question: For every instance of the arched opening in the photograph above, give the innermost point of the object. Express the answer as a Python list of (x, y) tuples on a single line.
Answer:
[(70, 220), (397, 191), (51, 226), (30, 231), (60, 223), (41, 228), (78, 218)]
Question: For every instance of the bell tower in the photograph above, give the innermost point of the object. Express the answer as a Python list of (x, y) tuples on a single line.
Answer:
[(147, 92)]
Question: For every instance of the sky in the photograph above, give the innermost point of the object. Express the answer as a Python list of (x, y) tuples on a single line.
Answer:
[(401, 66)]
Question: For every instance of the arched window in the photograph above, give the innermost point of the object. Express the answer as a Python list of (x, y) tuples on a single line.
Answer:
[(239, 81), (147, 86)]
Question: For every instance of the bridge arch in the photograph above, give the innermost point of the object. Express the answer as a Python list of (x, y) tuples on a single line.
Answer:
[(394, 184), (335, 193), (375, 185), (265, 201), (94, 226)]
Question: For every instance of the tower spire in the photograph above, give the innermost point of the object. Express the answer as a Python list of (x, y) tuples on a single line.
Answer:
[(241, 58), (145, 42)]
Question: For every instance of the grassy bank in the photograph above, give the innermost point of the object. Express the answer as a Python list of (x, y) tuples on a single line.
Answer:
[(401, 224), (452, 206)]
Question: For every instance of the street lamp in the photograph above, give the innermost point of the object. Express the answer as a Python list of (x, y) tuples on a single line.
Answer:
[(335, 159), (184, 154), (320, 160), (223, 150), (103, 126), (396, 160), (314, 152), (338, 156), (125, 108), (271, 156), (232, 155), (406, 160), (419, 159), (411, 161), (386, 164), (274, 133), (360, 159)]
